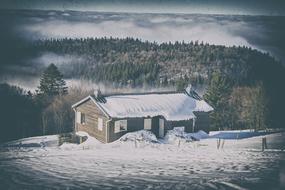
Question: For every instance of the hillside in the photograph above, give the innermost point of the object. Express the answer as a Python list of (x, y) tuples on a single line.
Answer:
[(131, 61)]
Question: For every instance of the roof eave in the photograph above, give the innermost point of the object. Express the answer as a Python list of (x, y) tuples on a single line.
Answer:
[(94, 101), (81, 101), (100, 107)]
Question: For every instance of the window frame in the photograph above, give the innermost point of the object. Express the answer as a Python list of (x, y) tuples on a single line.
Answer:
[(100, 124), (123, 126), (83, 118), (147, 125), (78, 117)]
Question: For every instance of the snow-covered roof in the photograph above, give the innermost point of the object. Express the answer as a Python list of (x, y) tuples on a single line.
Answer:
[(172, 106)]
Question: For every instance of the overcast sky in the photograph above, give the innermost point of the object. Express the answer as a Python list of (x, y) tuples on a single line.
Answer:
[(242, 7)]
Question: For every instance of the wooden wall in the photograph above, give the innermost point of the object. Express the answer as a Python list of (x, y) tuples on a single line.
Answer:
[(92, 112), (202, 121), (136, 124), (133, 124), (188, 124)]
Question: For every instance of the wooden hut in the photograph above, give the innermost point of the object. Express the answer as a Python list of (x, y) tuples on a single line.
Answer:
[(108, 117)]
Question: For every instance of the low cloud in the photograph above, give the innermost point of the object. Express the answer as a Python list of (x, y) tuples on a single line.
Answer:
[(159, 28), (262, 33), (59, 60)]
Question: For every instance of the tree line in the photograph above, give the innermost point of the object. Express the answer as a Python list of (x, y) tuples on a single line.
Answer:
[(242, 107), (175, 62)]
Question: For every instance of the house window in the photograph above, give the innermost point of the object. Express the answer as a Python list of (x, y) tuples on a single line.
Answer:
[(100, 124), (120, 125), (80, 118), (147, 124)]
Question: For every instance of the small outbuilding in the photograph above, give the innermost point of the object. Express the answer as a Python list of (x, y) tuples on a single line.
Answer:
[(108, 117)]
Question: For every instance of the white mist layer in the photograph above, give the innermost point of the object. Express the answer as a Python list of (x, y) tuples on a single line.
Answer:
[(30, 83), (158, 28)]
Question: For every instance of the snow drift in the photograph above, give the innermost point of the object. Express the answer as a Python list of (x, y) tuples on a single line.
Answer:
[(178, 135), (139, 136)]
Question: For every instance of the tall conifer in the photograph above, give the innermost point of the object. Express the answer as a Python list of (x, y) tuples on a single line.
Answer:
[(51, 82)]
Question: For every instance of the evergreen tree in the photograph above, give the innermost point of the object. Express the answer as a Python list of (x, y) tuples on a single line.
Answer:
[(249, 105), (181, 84), (51, 82), (19, 113), (217, 95), (259, 110)]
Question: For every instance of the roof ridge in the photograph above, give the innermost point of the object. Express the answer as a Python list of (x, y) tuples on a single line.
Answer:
[(142, 93)]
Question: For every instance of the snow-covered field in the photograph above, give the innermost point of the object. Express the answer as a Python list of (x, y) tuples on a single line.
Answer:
[(140, 161)]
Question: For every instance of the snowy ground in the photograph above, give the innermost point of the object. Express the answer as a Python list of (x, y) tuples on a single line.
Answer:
[(139, 161)]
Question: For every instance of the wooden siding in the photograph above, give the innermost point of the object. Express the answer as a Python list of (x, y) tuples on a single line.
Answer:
[(133, 124), (136, 124), (202, 121), (187, 124), (92, 113), (169, 125)]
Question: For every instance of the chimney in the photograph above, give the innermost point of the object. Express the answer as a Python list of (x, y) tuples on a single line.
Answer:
[(97, 93), (189, 89), (191, 92)]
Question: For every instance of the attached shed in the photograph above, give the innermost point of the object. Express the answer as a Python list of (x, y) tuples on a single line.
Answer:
[(108, 117)]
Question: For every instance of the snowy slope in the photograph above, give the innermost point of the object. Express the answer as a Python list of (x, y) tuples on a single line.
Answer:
[(129, 164)]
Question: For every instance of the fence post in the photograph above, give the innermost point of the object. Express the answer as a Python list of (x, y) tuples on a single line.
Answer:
[(223, 143), (218, 143)]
